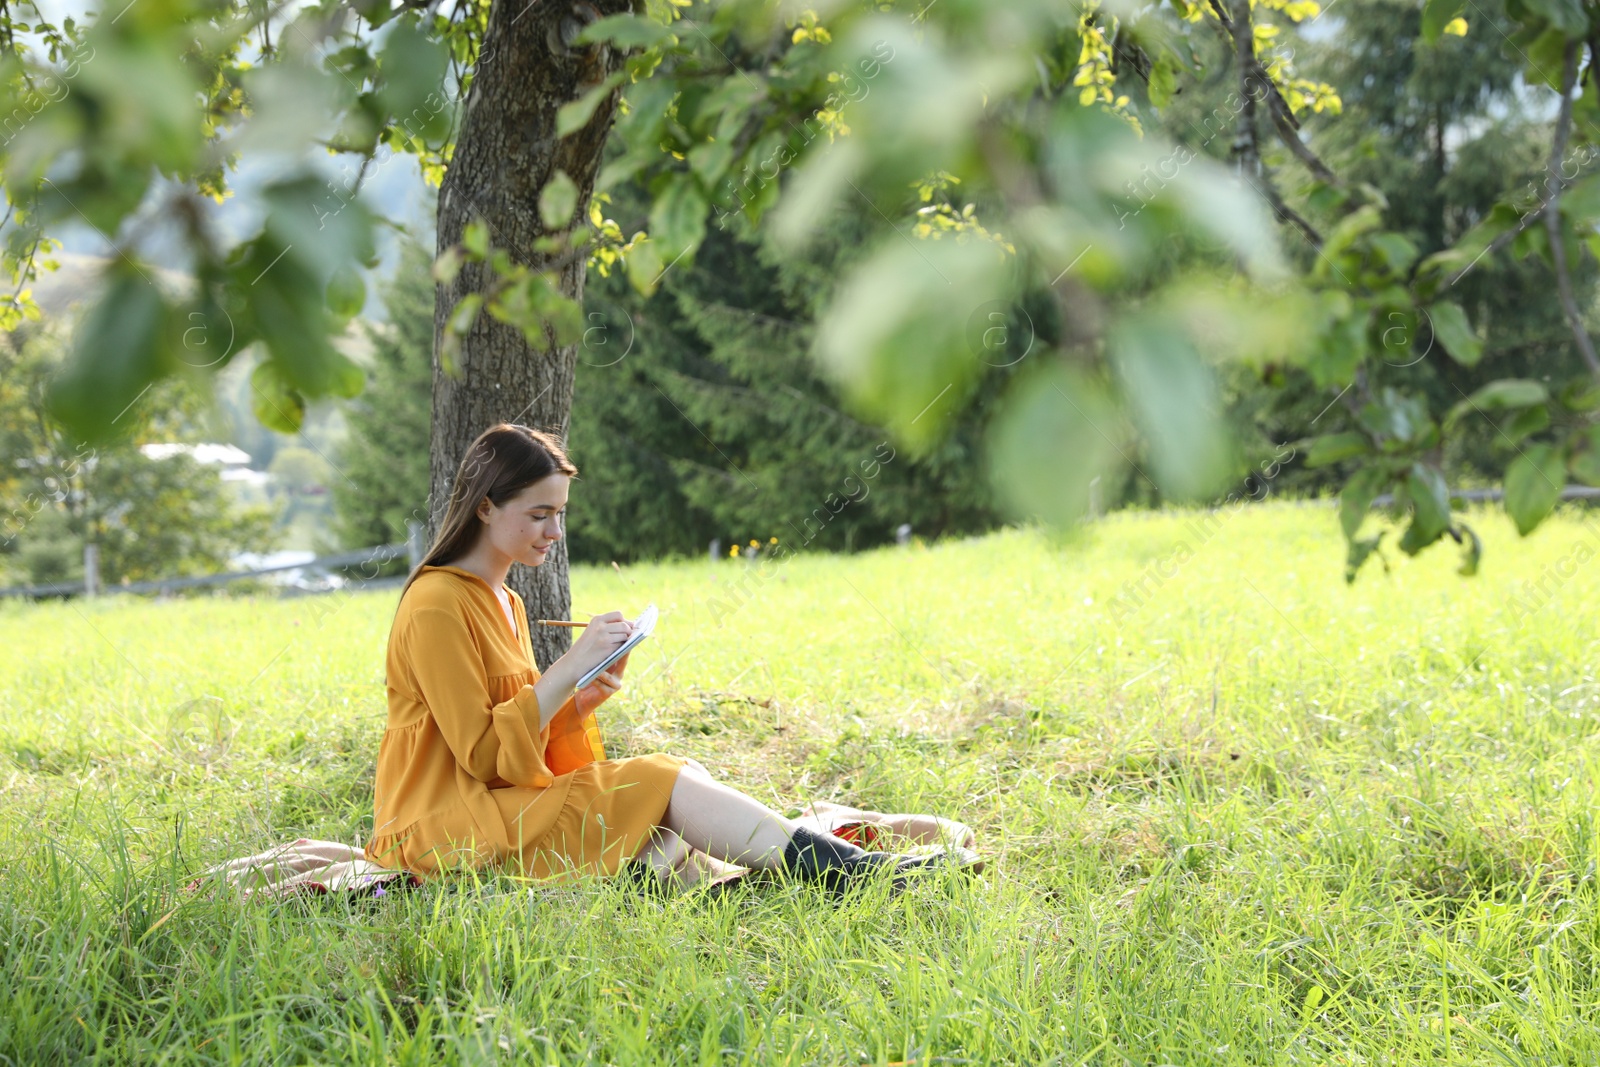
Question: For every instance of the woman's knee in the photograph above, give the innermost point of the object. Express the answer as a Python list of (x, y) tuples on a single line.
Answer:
[(695, 766), (664, 848)]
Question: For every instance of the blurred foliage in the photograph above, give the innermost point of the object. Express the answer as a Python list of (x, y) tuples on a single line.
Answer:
[(1011, 151), (151, 517), (698, 415), (1444, 131), (383, 460)]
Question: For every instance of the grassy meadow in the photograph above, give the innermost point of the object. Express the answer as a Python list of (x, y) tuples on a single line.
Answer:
[(1236, 812)]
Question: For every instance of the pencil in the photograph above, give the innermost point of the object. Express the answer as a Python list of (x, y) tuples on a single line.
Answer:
[(556, 622)]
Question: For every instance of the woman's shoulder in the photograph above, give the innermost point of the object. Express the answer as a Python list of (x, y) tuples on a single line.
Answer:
[(436, 589)]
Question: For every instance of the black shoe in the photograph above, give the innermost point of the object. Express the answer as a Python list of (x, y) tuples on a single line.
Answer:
[(839, 865)]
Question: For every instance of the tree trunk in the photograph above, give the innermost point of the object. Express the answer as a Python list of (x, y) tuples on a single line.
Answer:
[(506, 150)]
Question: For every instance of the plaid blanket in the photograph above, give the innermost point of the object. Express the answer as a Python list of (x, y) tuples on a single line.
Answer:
[(304, 866), (309, 866)]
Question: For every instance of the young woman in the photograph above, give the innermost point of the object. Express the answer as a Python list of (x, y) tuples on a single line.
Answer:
[(488, 762)]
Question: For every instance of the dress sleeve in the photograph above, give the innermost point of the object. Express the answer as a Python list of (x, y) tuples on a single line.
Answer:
[(491, 741)]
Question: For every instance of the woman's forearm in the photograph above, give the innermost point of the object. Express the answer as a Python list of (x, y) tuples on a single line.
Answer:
[(553, 688)]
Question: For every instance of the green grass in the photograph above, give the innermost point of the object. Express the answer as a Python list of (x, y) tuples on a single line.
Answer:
[(1264, 818)]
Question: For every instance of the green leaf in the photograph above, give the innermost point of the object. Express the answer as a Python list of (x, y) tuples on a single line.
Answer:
[(558, 201), (575, 115), (1565, 15), (1580, 394), (309, 222), (1355, 500), (1396, 252), (289, 101), (376, 12), (709, 161), (1359, 551), (812, 191), (897, 336), (348, 377), (1393, 414), (1526, 423), (277, 404), (644, 265), (1533, 485), (464, 314), (566, 321), (1349, 230), (1173, 395), (1396, 338), (1433, 270), (1054, 445), (1510, 393), (1543, 63), (1340, 349), (412, 68), (447, 266), (106, 195), (557, 311), (1215, 203), (534, 305), (1500, 395), (347, 292), (1430, 508), (120, 349), (1436, 14), (475, 238), (1581, 200), (678, 216), (1331, 448), (1533, 241), (149, 111), (287, 309), (1468, 249), (648, 100), (625, 31), (1451, 327), (1163, 80), (1471, 550), (1584, 462)]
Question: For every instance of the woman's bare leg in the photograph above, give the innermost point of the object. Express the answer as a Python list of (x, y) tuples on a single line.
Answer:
[(724, 822), (708, 817), (672, 860), (670, 857)]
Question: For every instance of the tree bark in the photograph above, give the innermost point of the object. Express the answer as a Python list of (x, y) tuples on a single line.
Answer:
[(506, 150)]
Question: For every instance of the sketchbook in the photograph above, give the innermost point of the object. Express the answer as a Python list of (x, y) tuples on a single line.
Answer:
[(642, 626)]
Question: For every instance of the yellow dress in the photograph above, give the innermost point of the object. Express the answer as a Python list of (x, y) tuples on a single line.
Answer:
[(465, 775)]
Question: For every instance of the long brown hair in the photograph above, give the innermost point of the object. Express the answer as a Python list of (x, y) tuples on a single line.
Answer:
[(503, 461)]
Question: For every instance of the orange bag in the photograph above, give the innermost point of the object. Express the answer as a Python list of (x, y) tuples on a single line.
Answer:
[(574, 741)]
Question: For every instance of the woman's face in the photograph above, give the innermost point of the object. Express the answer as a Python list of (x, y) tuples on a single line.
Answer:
[(530, 522)]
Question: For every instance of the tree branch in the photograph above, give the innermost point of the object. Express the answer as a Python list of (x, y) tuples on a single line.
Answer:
[(1283, 119), (1287, 125), (1552, 212), (1246, 143)]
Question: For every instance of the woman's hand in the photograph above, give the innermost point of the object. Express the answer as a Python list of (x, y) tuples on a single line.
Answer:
[(603, 635), (606, 686)]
